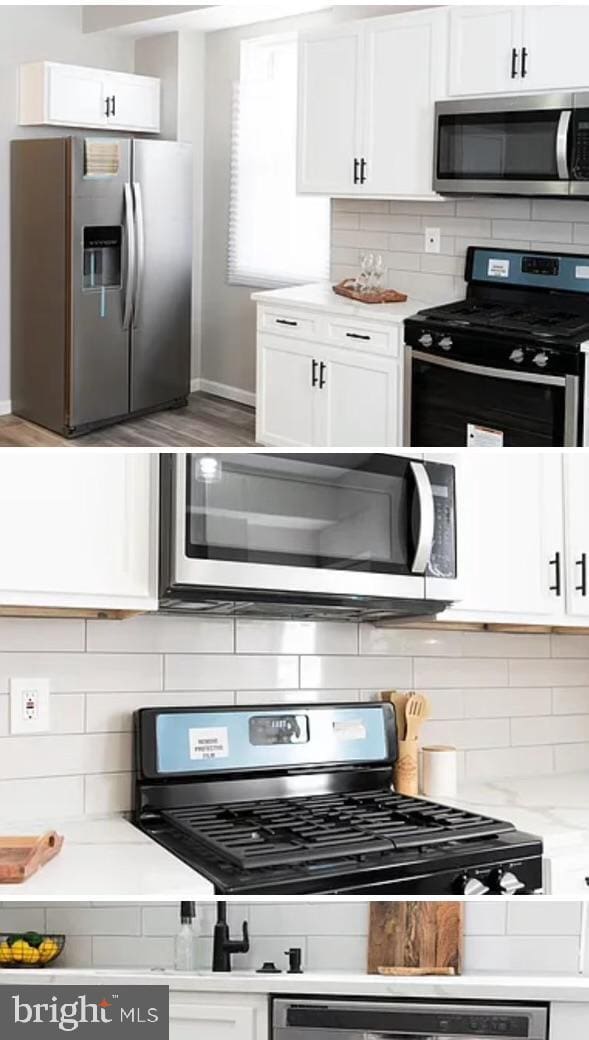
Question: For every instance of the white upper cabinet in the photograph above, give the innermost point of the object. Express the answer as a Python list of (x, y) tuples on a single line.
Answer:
[(78, 530), (497, 50), (511, 536), (366, 105), (329, 142), (405, 75), (71, 95), (485, 46)]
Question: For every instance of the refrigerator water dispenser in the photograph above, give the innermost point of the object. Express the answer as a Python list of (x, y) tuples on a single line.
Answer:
[(102, 257)]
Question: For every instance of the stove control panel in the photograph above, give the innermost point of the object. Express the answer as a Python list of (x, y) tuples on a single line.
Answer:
[(500, 881)]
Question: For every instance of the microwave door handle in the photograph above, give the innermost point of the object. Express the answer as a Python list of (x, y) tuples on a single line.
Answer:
[(427, 518), (562, 145)]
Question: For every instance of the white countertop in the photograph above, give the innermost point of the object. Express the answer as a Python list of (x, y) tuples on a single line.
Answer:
[(554, 807), (103, 859), (319, 296), (483, 986)]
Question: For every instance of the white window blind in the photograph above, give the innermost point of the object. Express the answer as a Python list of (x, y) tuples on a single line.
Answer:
[(276, 237)]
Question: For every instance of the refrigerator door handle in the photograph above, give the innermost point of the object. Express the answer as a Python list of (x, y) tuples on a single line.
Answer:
[(131, 256), (140, 242)]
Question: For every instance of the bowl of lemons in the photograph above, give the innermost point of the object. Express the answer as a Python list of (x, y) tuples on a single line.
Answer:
[(29, 949)]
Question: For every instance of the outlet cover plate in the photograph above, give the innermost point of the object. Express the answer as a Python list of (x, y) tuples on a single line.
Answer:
[(29, 706), (433, 240)]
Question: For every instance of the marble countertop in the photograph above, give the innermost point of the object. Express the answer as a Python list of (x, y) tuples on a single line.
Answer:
[(554, 807), (319, 296), (105, 858), (484, 986)]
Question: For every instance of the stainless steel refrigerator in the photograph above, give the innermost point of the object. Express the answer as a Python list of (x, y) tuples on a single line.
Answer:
[(101, 279)]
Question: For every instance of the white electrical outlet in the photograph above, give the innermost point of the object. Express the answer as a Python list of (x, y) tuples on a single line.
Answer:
[(433, 240), (29, 706)]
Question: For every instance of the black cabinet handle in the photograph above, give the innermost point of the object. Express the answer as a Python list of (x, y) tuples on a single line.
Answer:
[(314, 369), (514, 57), (114, 105), (582, 563), (356, 335), (557, 588), (107, 107), (291, 324), (363, 171), (524, 63), (356, 171), (322, 379)]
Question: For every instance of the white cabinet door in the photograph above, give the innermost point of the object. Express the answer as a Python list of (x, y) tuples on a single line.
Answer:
[(406, 73), (482, 44), (286, 398), (360, 401), (134, 102), (576, 513), (78, 529), (75, 96), (569, 1021), (511, 532), (555, 38), (330, 105), (218, 1017)]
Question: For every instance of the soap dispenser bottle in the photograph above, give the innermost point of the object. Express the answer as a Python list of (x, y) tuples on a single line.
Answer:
[(185, 945)]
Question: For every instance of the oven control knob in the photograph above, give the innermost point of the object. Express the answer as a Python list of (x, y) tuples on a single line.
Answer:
[(471, 886), (541, 360), (446, 343), (517, 356), (506, 883), (426, 340)]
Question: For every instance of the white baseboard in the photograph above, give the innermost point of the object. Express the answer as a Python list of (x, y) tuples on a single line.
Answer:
[(5, 407), (231, 393)]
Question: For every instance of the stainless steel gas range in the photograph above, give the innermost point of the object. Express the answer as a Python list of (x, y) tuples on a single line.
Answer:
[(298, 799)]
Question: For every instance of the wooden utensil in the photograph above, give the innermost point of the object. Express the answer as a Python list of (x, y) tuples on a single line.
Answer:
[(399, 702), (416, 971), (22, 857), (415, 935), (416, 713)]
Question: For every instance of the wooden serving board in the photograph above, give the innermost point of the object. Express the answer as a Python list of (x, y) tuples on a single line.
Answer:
[(414, 972), (22, 857), (415, 935)]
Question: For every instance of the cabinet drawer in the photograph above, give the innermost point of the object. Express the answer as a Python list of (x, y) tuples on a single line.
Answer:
[(288, 323), (369, 337)]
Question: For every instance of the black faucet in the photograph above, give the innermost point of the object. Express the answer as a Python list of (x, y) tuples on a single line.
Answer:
[(223, 944)]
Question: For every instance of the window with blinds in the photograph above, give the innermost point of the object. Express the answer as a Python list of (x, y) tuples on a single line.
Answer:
[(276, 237)]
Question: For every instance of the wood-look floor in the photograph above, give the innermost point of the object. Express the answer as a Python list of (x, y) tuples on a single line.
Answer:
[(207, 422)]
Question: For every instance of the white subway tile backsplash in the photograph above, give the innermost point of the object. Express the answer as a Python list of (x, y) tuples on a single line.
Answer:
[(515, 937), (160, 634), (549, 231), (54, 634), (515, 704)]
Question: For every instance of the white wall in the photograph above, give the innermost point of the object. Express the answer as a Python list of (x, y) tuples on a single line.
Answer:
[(520, 937), (490, 693), (228, 353), (35, 34)]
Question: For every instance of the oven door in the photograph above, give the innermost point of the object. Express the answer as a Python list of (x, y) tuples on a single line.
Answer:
[(455, 405), (336, 525), (504, 146)]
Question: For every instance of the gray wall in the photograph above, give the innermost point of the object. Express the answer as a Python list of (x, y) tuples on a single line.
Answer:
[(36, 34), (228, 325)]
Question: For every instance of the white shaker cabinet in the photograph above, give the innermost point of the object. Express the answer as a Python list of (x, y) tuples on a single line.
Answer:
[(78, 529), (511, 536), (361, 400), (504, 49), (569, 1021), (576, 514), (52, 94), (218, 1016), (366, 105)]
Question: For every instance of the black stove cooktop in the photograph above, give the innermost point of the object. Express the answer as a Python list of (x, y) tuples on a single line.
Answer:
[(544, 322), (261, 815)]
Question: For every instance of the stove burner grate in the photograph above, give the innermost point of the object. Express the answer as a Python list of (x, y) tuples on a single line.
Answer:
[(286, 831)]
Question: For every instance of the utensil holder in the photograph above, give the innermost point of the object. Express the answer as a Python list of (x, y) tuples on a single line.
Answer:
[(406, 770)]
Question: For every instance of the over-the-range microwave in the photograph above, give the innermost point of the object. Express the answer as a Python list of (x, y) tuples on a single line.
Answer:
[(535, 144), (346, 535)]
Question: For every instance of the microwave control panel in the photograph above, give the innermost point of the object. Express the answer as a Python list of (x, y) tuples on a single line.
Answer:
[(443, 557), (580, 163)]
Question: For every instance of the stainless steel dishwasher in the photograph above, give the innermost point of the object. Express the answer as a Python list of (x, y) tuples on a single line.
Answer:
[(333, 1019)]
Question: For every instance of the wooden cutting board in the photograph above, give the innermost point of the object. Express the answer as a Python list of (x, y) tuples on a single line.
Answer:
[(415, 935), (22, 857)]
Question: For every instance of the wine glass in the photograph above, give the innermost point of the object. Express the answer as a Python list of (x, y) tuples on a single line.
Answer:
[(377, 274), (366, 268)]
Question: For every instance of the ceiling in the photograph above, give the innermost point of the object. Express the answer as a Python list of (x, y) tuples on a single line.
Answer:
[(147, 20)]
